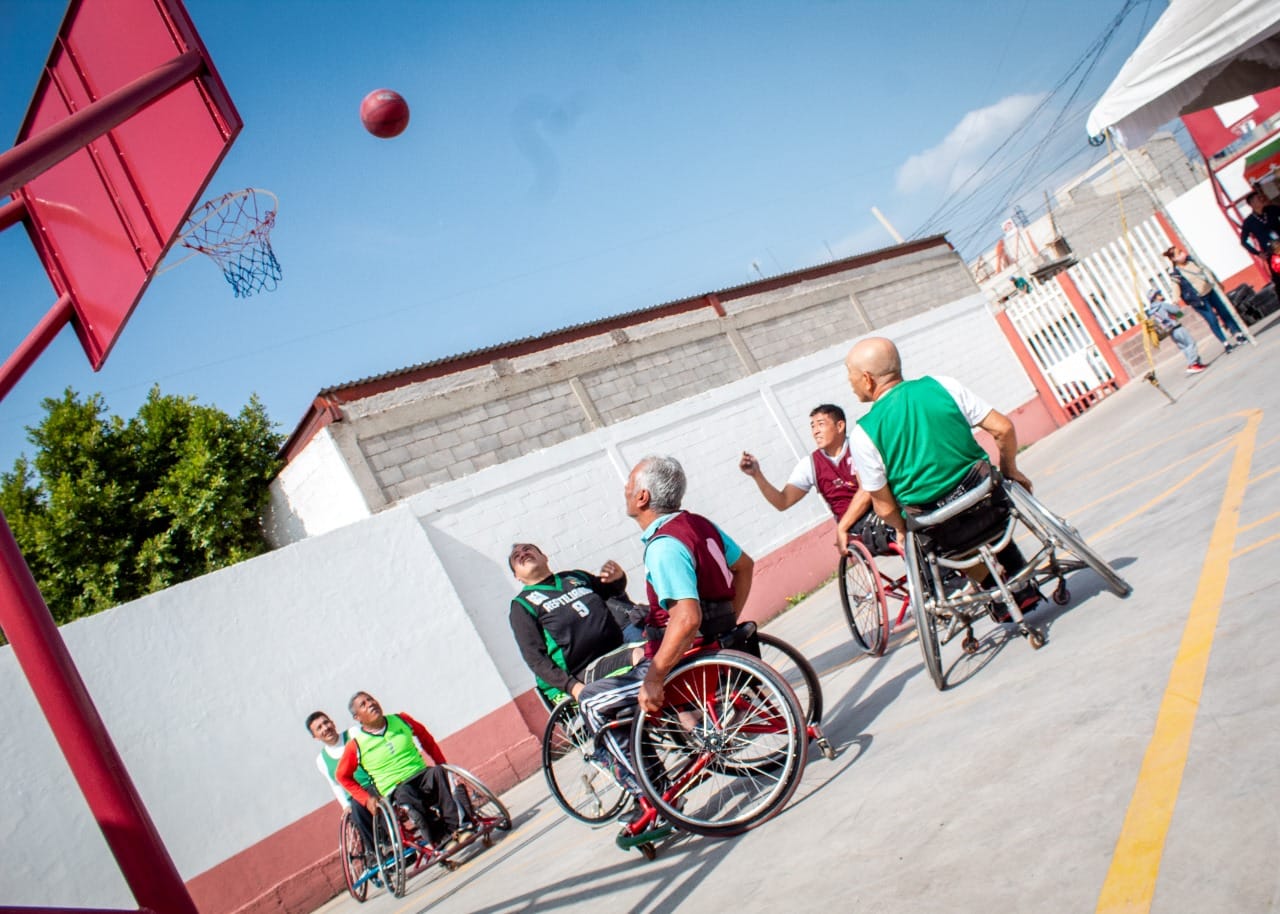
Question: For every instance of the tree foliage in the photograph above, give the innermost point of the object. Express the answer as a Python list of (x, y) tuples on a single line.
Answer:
[(108, 510)]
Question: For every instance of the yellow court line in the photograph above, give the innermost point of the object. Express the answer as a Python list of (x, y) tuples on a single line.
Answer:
[(1218, 447), (1259, 522), (1131, 880), (1186, 480), (1262, 476), (1258, 545)]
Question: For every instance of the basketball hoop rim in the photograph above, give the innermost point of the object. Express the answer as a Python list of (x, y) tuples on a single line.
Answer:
[(210, 208)]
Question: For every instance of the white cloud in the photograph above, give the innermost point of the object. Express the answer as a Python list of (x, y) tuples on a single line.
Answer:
[(954, 159)]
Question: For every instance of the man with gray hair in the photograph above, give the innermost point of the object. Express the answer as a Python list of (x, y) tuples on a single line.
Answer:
[(697, 579)]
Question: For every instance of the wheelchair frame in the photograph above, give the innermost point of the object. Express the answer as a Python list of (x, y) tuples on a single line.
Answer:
[(944, 609), (587, 789), (408, 854)]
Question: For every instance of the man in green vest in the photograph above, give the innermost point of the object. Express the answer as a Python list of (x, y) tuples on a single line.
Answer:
[(393, 749), (915, 450)]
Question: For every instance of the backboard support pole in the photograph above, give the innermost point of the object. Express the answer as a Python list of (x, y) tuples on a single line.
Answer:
[(36, 342), (38, 154), (37, 644)]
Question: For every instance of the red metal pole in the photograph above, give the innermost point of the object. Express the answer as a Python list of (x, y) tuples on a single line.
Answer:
[(1093, 328), (36, 342), (1029, 365), (11, 213), (83, 738), (46, 149)]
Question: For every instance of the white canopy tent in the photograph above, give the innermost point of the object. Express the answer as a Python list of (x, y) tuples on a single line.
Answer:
[(1200, 53)]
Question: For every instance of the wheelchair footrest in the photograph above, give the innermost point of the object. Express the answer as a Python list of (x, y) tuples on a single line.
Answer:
[(626, 842)]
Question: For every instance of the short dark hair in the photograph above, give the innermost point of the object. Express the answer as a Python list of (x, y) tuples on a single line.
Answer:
[(351, 703), (829, 409), (315, 716), (1255, 193)]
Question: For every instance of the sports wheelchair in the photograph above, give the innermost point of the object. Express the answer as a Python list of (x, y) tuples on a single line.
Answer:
[(968, 532), (865, 593), (725, 753), (400, 851)]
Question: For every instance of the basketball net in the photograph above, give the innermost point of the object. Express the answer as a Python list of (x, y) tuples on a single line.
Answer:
[(235, 231)]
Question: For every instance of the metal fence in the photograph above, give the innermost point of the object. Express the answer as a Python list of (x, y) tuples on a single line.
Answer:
[(1115, 292)]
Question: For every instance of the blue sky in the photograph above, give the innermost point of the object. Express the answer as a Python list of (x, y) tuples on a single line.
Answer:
[(565, 161)]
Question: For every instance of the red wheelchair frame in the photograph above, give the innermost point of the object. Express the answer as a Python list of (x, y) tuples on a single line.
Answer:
[(865, 592)]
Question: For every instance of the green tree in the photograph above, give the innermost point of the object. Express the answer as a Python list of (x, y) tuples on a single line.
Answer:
[(108, 511)]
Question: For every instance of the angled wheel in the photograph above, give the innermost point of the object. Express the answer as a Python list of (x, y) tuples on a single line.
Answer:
[(799, 673), (862, 596), (584, 788), (926, 622), (1065, 536), (351, 849), (389, 848), (726, 751), (476, 802)]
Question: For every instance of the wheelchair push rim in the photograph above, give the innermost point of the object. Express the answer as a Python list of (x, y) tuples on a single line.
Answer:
[(862, 596), (727, 750), (584, 787)]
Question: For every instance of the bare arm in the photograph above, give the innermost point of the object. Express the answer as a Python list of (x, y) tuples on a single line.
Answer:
[(782, 498), (859, 506), (1002, 431), (685, 616), (888, 511)]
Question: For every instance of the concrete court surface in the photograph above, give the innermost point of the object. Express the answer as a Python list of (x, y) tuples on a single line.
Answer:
[(1129, 765)]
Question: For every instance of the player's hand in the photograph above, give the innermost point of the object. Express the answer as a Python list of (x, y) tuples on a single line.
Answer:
[(650, 696), (748, 464), (1016, 476), (371, 804), (575, 690), (610, 571), (842, 541)]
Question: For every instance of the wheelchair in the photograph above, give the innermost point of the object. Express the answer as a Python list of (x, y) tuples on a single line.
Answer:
[(725, 753), (401, 852), (865, 594), (968, 532)]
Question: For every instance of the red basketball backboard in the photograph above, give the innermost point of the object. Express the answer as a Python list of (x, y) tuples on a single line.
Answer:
[(102, 218)]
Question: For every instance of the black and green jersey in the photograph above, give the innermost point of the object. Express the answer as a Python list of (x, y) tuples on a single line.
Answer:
[(562, 624)]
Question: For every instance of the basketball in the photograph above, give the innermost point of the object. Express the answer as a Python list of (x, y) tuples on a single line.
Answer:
[(384, 113)]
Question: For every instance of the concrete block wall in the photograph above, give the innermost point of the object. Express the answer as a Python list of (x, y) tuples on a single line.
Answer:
[(411, 438)]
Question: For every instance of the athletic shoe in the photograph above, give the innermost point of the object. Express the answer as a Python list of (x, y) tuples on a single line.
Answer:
[(1229, 347), (1241, 338), (1195, 368), (1028, 597)]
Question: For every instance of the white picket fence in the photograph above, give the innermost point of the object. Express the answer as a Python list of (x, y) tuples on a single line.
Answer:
[(1114, 282)]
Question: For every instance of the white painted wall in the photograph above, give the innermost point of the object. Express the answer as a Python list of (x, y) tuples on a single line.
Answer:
[(410, 604), (205, 686), (1215, 240), (314, 494)]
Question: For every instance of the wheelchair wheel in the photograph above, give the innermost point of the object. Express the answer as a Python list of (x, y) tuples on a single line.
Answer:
[(1066, 536), (351, 849), (862, 596), (584, 788), (476, 802), (727, 749), (786, 660), (926, 622), (389, 847)]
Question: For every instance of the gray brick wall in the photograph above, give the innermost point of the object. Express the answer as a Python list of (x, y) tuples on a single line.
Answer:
[(788, 336), (418, 436), (640, 384), (411, 459)]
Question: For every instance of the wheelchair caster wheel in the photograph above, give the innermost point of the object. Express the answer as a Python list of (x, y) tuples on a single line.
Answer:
[(970, 644), (486, 840), (650, 852), (1061, 595), (828, 750), (1035, 639)]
